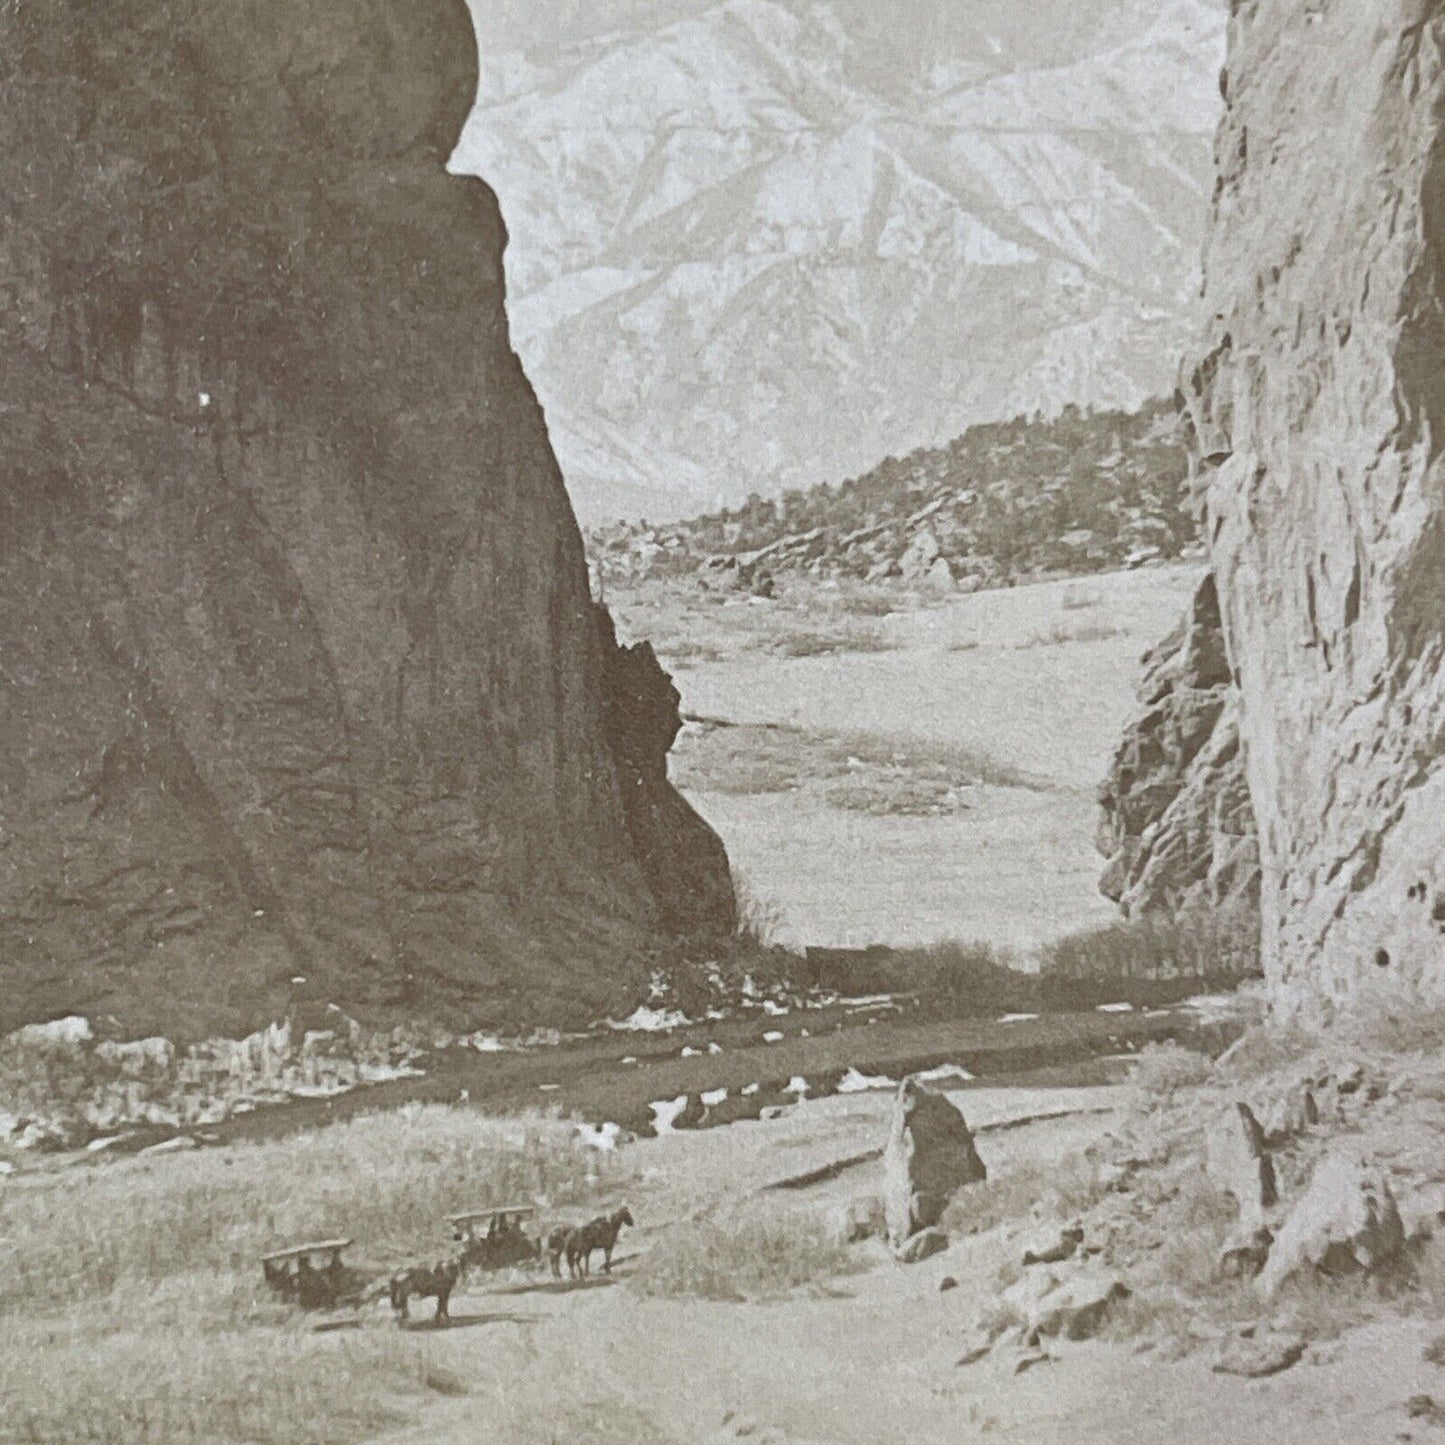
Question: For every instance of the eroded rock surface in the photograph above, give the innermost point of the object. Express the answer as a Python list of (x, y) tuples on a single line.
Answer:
[(1319, 407), (299, 672), (929, 1157), (1347, 1221), (1238, 1162), (1177, 826)]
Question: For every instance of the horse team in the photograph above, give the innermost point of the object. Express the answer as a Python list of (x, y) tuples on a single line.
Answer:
[(575, 1244)]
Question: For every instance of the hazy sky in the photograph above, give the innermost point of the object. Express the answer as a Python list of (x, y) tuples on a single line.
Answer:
[(894, 39)]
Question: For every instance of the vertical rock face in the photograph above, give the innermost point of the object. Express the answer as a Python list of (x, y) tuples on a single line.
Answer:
[(299, 671), (1320, 404), (1177, 825)]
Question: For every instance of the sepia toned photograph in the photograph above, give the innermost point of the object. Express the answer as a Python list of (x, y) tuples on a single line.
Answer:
[(722, 722)]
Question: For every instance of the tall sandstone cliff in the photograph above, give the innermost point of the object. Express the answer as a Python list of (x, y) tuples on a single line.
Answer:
[(299, 672), (1319, 402)]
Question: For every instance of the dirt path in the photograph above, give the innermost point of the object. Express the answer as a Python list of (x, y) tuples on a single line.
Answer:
[(871, 1359)]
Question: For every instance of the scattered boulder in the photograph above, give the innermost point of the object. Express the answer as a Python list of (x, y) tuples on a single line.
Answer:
[(1030, 1357), (67, 1033), (1057, 1247), (1255, 1354), (918, 557), (923, 1245), (1115, 1178), (1076, 1310), (1424, 1407), (1238, 1162), (940, 576), (1423, 1210), (929, 1156), (1244, 1253), (177, 1145), (1289, 1114), (1347, 1221), (1072, 1308), (976, 1345), (856, 1220), (947, 1283)]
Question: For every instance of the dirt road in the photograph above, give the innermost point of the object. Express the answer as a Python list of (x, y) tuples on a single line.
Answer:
[(870, 1359)]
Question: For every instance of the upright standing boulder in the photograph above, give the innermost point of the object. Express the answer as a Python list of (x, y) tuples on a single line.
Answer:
[(1237, 1162), (929, 1156)]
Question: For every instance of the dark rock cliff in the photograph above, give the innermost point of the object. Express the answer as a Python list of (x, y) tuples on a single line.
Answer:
[(1318, 398), (299, 671)]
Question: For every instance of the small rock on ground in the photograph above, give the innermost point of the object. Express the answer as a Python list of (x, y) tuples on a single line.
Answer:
[(921, 1246), (1258, 1354)]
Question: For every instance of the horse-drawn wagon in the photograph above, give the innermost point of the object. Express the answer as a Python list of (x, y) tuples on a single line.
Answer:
[(311, 1275), (494, 1238)]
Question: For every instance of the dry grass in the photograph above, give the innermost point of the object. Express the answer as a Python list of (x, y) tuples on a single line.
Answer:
[(1063, 633), (172, 1379), (750, 1253), (870, 602), (133, 1308), (1161, 1070), (1219, 948), (811, 643), (964, 976), (386, 1180), (762, 926), (1040, 1193), (856, 771)]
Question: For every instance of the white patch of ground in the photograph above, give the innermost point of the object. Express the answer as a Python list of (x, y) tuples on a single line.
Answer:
[(854, 1082), (665, 1113)]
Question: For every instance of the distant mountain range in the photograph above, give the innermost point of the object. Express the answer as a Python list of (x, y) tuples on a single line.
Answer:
[(758, 244)]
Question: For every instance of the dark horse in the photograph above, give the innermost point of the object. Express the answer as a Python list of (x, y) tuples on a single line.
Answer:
[(556, 1247), (600, 1233), (438, 1280)]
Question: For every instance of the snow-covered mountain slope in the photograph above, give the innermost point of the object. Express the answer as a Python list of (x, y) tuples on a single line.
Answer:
[(763, 243)]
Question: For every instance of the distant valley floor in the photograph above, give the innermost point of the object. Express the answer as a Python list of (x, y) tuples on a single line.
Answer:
[(892, 768)]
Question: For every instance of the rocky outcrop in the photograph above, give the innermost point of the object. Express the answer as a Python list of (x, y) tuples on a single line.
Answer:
[(1001, 503), (1320, 411), (681, 856), (1177, 826), (301, 677), (1346, 1222), (1069, 1306)]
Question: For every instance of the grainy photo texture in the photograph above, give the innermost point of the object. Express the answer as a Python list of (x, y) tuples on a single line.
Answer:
[(721, 722)]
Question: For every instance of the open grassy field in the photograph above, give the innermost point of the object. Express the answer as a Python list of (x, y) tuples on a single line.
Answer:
[(133, 1309), (890, 768)]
